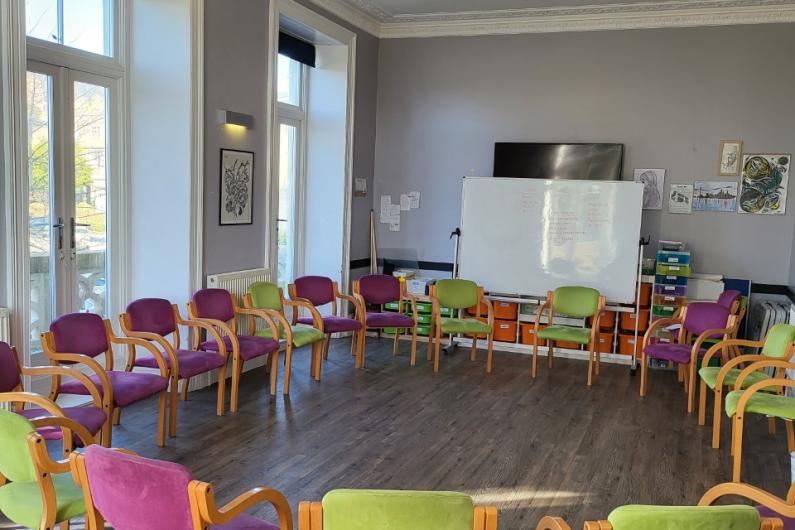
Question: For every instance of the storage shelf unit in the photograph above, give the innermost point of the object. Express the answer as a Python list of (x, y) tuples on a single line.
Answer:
[(670, 283)]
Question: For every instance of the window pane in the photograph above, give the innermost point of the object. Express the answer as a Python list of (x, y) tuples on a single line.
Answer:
[(289, 81), (286, 221), (82, 24), (39, 193), (90, 107), (41, 19)]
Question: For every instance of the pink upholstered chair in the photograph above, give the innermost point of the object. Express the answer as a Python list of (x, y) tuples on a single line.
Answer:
[(320, 291), (154, 319), (730, 299), (218, 308), (129, 492), (91, 418), (81, 338), (379, 289), (697, 323)]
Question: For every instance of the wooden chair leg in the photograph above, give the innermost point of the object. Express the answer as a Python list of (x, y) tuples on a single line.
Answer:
[(319, 362), (161, 419), (273, 361), (172, 414), (490, 353), (702, 403), (414, 346), (235, 384), (473, 352), (219, 406), (436, 347), (644, 369), (550, 354), (691, 382), (598, 355), (429, 346), (326, 347), (185, 383), (790, 436), (107, 429), (396, 341), (354, 343), (117, 416), (590, 365), (771, 425), (313, 361), (716, 419), (361, 341), (534, 363), (737, 444)]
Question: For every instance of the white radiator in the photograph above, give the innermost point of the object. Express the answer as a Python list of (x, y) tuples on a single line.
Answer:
[(5, 325), (238, 283)]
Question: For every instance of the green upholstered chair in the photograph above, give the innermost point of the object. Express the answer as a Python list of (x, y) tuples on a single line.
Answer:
[(701, 517), (458, 294), (37, 492), (778, 344), (269, 298), (570, 302), (395, 510)]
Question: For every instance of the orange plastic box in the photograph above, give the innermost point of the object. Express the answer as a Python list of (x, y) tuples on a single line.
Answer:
[(473, 310), (505, 310), (605, 343), (628, 321), (567, 345), (645, 294), (505, 331), (529, 334), (626, 344), (608, 320)]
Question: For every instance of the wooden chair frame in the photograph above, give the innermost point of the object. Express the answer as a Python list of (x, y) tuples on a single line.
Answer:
[(338, 296), (593, 351), (230, 330), (688, 375), (435, 335), (728, 365), (113, 413), (310, 517), (204, 509), (404, 298), (170, 350), (317, 347)]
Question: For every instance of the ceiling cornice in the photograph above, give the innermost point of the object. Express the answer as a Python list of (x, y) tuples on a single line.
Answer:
[(671, 14)]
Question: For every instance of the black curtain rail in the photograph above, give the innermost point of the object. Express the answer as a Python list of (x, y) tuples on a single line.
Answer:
[(297, 49)]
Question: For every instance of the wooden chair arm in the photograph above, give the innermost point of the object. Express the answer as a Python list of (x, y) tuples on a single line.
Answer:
[(266, 314), (489, 311), (361, 308), (41, 454), (705, 335), (33, 399), (539, 314), (102, 375), (657, 324), (414, 301), (317, 319), (203, 499), (435, 310), (351, 299), (731, 363), (200, 324), (226, 329), (552, 523), (729, 342), (63, 371), (157, 354), (755, 366), (598, 525), (757, 387), (749, 492)]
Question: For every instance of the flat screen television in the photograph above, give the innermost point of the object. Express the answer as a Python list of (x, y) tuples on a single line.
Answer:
[(558, 161)]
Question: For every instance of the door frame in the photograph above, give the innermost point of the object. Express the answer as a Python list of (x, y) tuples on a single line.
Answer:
[(299, 193)]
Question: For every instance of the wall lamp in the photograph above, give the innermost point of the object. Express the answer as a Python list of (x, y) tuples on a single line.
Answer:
[(228, 117)]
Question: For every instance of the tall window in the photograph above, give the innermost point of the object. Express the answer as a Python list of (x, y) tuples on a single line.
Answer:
[(83, 24)]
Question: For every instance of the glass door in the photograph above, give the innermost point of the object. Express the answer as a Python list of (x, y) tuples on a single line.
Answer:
[(286, 223), (68, 146)]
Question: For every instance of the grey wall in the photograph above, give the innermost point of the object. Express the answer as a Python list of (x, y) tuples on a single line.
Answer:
[(669, 95), (3, 210), (236, 59)]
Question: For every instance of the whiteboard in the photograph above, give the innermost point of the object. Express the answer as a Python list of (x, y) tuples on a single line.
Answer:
[(529, 236)]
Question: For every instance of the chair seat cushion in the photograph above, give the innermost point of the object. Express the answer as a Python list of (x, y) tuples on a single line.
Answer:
[(762, 403), (389, 320), (634, 517), (191, 363), (334, 324), (789, 523), (303, 334), (250, 347), (128, 387), (397, 510), (92, 418), (464, 325), (21, 501), (674, 352), (709, 375), (565, 333), (245, 522)]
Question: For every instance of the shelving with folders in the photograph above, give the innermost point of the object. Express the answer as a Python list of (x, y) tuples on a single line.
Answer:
[(670, 283)]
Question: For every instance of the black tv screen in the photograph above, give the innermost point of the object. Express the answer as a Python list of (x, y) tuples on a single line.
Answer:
[(558, 161)]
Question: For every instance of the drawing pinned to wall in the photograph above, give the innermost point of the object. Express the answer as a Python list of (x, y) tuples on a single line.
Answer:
[(405, 202), (763, 184), (729, 156), (237, 169), (680, 198), (653, 181), (714, 196), (414, 197)]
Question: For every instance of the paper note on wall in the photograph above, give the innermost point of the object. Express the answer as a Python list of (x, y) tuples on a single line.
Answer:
[(414, 200), (385, 213), (394, 227), (405, 202)]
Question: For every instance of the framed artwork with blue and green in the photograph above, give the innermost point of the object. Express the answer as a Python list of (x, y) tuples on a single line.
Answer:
[(714, 196), (763, 183)]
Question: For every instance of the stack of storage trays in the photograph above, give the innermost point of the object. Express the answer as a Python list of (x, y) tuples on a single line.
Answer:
[(670, 283), (424, 310)]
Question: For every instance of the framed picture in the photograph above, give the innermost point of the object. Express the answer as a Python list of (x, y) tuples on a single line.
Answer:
[(729, 156), (763, 184), (237, 187), (714, 196), (680, 198), (653, 181)]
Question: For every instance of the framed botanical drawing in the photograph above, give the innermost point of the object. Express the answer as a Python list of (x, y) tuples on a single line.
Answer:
[(729, 158), (237, 187)]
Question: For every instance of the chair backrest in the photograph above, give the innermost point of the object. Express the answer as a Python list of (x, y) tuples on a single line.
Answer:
[(317, 289), (152, 315), (379, 288), (574, 301), (80, 333), (728, 298), (265, 295), (778, 341), (738, 517), (701, 316), (9, 369), (397, 510), (16, 463), (134, 492), (214, 303), (456, 293)]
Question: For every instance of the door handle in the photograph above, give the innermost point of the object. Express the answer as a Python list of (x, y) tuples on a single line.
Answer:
[(73, 225), (60, 226)]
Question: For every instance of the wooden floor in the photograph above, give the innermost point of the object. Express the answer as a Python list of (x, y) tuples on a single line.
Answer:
[(552, 446)]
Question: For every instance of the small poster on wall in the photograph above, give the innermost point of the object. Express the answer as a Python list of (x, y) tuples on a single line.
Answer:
[(729, 158), (680, 198), (763, 184), (714, 196), (653, 181), (237, 187)]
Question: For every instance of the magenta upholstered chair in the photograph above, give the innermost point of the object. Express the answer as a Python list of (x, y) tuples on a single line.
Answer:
[(729, 298), (81, 338), (218, 308), (320, 291), (129, 492), (92, 418), (697, 322), (376, 290), (154, 319)]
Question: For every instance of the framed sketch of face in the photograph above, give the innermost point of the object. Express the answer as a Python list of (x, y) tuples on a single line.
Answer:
[(730, 158)]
